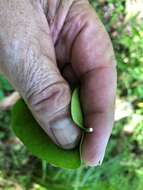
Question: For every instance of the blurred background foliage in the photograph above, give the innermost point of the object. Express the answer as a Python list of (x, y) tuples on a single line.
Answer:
[(123, 165)]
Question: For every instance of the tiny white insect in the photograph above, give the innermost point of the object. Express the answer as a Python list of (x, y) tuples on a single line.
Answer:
[(89, 130)]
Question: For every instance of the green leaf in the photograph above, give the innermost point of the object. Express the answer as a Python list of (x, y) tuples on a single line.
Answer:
[(1, 95), (76, 111), (37, 141), (4, 84)]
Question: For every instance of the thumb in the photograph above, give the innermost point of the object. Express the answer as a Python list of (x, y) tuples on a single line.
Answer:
[(28, 61), (48, 99), (49, 102)]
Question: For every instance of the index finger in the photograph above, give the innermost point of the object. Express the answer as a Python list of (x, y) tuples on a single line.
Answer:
[(98, 97), (94, 63)]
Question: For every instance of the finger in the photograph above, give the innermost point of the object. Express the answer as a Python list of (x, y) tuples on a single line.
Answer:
[(28, 60), (57, 13), (98, 97), (69, 75), (52, 9), (94, 63)]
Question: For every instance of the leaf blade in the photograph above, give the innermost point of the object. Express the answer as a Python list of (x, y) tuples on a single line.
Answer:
[(39, 144)]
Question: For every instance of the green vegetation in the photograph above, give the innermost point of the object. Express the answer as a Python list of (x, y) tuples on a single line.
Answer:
[(41, 146), (123, 164), (37, 142), (76, 111)]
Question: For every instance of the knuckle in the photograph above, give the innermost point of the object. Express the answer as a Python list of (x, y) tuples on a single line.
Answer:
[(51, 99)]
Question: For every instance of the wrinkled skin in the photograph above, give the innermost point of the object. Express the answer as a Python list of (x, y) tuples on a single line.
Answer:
[(48, 45)]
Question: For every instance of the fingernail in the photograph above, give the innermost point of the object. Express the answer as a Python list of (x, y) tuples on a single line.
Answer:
[(65, 133), (95, 162), (94, 156)]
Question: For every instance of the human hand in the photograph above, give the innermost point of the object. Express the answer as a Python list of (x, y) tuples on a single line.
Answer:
[(42, 59)]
